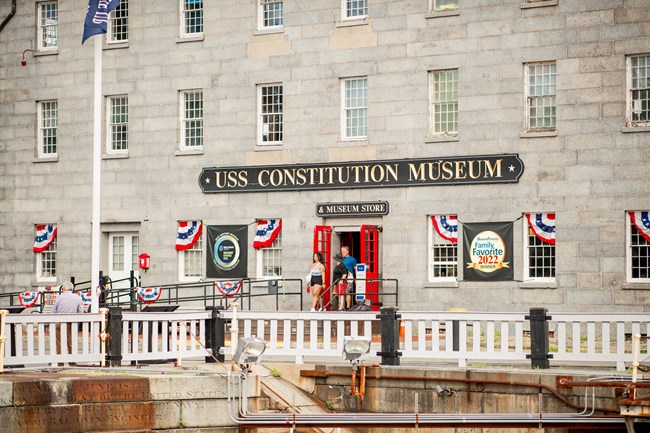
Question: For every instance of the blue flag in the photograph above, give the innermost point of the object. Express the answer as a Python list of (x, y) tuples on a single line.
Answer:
[(97, 17)]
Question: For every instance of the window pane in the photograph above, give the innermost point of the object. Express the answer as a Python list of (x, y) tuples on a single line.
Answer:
[(119, 123), (48, 261), (193, 16), (640, 90), (541, 96), (541, 257), (443, 256), (193, 119), (118, 28), (271, 113), (356, 108), (193, 260), (272, 13), (48, 127), (272, 258), (49, 24), (444, 99), (118, 253), (445, 5), (639, 254), (356, 8)]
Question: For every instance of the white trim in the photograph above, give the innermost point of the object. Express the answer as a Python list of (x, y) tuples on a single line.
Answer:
[(40, 25), (525, 256), (343, 109), (527, 128), (182, 119), (182, 11), (181, 263), (346, 17), (260, 122), (109, 130), (260, 18), (628, 252), (40, 136)]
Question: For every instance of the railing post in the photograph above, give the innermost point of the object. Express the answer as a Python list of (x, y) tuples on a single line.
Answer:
[(114, 356), (216, 335), (539, 344), (389, 336)]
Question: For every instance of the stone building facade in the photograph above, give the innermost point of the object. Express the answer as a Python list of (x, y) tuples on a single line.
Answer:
[(192, 87)]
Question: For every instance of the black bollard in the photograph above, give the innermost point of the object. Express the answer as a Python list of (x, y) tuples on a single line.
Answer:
[(114, 330), (216, 335), (389, 336)]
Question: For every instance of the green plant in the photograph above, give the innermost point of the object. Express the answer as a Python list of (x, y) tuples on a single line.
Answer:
[(275, 372), (329, 405)]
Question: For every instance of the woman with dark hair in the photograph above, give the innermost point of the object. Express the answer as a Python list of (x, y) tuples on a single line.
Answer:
[(316, 281)]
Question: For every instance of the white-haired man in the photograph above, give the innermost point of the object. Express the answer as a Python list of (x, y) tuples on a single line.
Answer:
[(67, 303)]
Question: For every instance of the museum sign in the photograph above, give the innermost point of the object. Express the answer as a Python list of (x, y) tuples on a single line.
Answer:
[(363, 174)]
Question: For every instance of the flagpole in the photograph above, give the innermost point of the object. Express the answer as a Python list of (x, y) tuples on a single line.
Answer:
[(97, 161)]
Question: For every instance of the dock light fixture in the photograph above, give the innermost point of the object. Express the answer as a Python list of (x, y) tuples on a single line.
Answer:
[(355, 348), (249, 350)]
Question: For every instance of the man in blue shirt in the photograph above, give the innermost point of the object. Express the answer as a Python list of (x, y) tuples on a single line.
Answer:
[(351, 265)]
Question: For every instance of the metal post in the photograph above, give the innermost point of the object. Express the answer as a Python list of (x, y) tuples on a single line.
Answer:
[(115, 337), (389, 336), (216, 335), (103, 336), (3, 338), (539, 344)]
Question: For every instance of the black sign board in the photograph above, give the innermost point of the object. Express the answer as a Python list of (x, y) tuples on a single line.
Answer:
[(487, 250), (363, 174), (363, 208)]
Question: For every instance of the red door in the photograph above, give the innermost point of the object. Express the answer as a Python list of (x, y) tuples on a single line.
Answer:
[(323, 245), (370, 256)]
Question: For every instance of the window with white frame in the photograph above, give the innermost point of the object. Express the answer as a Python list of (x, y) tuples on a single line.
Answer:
[(271, 14), (191, 119), (46, 263), (118, 24), (48, 117), (269, 259), (539, 250), (135, 252), (118, 124), (354, 101), (48, 26), (354, 9), (444, 102), (443, 248), (191, 18), (270, 105), (638, 246), (638, 94), (191, 261), (540, 96), (444, 5)]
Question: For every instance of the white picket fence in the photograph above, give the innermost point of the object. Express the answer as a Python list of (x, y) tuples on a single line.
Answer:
[(460, 337), (163, 336)]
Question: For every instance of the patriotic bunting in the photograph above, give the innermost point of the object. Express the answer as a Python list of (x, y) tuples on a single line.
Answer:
[(28, 299), (543, 225), (267, 231), (86, 298), (446, 226), (229, 288), (189, 232), (45, 235), (149, 295), (641, 221)]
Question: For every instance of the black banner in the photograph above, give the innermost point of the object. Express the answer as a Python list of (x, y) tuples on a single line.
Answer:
[(487, 251), (227, 252), (363, 174)]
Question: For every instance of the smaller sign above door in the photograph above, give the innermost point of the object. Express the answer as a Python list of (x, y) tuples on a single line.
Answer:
[(362, 208)]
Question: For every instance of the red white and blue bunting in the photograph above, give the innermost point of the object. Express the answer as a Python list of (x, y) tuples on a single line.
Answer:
[(28, 299), (86, 298), (267, 231), (45, 234), (189, 232), (446, 226), (149, 295), (543, 225), (641, 221), (229, 288)]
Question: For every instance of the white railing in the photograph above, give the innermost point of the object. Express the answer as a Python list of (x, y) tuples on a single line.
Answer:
[(164, 336), (463, 336), (598, 337), (300, 334), (31, 338)]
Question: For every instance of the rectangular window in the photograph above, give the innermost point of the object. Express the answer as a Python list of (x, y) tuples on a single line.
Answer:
[(118, 123), (48, 116), (192, 119), (539, 253), (270, 259), (443, 257), (118, 24), (191, 261), (355, 108), (271, 14), (540, 97), (355, 9), (46, 263), (444, 5), (135, 252), (191, 18), (638, 247), (444, 102), (270, 108), (638, 95), (48, 26)]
